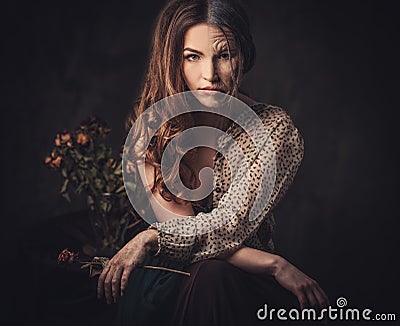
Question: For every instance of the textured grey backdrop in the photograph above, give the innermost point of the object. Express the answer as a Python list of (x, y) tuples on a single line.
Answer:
[(331, 64)]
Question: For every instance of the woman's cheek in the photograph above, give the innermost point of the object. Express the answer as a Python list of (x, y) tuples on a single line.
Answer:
[(190, 72)]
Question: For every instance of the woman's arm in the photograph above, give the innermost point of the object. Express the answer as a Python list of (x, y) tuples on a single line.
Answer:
[(113, 280), (307, 290), (251, 260)]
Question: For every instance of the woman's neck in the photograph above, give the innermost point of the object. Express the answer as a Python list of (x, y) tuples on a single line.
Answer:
[(213, 120)]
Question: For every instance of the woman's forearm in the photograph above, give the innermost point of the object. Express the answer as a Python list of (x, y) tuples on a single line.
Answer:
[(255, 261), (150, 239), (249, 259)]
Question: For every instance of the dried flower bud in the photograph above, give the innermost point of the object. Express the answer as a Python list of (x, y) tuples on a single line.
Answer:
[(55, 163), (57, 141), (82, 139), (47, 160), (110, 161), (65, 136), (67, 256)]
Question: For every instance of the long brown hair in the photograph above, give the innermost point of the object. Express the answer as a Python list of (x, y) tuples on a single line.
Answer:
[(165, 77)]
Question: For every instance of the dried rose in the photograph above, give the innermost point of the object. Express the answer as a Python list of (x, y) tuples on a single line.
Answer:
[(57, 141), (55, 163), (65, 136), (67, 256), (82, 139)]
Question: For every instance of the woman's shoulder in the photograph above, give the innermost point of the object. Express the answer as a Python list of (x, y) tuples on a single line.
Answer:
[(266, 112), (282, 132), (272, 115)]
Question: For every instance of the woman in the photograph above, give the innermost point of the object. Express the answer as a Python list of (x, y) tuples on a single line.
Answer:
[(206, 46)]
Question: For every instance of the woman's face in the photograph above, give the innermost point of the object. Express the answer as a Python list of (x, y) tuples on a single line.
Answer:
[(206, 63)]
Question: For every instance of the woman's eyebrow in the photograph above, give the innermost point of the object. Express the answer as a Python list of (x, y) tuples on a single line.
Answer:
[(193, 50), (223, 45)]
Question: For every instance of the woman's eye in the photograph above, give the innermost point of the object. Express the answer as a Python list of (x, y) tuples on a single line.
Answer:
[(224, 56), (192, 57)]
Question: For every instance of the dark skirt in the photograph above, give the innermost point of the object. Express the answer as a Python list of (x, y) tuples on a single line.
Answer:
[(151, 294), (216, 293)]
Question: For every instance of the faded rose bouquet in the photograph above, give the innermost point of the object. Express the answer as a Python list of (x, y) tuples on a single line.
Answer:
[(84, 159)]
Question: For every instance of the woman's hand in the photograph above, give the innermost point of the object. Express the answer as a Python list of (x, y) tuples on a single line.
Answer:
[(257, 261), (303, 287), (113, 280)]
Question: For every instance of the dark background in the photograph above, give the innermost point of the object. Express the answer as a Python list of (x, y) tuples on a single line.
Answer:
[(331, 64)]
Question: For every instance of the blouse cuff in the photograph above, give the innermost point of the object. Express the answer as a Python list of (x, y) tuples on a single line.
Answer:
[(173, 246), (153, 227)]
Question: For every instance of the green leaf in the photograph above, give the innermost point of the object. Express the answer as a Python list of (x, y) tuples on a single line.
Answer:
[(97, 265), (130, 186), (104, 206), (90, 200), (64, 186), (120, 189), (80, 187), (106, 175), (98, 183), (64, 172), (66, 196)]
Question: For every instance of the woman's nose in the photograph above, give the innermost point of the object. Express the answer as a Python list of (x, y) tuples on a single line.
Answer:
[(209, 70)]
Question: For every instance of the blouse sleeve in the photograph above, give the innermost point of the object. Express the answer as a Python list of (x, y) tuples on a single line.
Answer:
[(227, 226)]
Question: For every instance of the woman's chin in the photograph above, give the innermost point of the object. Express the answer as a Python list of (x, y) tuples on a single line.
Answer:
[(210, 99)]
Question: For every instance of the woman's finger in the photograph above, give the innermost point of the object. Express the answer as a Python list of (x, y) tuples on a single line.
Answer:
[(311, 298), (302, 299), (116, 283), (107, 284), (124, 279), (321, 297), (100, 282)]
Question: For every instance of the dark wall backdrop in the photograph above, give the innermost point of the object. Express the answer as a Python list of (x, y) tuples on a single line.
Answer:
[(330, 64)]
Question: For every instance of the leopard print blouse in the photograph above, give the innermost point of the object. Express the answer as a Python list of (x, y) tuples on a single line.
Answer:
[(229, 225)]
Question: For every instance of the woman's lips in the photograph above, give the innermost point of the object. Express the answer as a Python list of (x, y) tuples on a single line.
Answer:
[(210, 91)]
